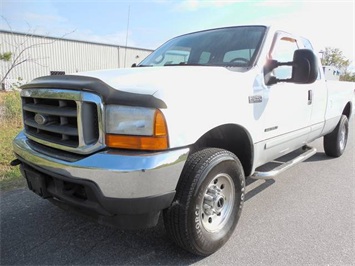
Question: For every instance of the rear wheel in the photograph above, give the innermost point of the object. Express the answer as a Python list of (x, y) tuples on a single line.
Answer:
[(208, 201), (335, 142)]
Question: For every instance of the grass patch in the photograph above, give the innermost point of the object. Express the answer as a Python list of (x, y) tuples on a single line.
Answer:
[(10, 126)]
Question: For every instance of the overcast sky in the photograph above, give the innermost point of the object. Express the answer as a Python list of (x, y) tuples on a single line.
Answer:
[(152, 22)]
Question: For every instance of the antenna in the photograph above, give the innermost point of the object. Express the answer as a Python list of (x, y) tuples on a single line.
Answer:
[(125, 54)]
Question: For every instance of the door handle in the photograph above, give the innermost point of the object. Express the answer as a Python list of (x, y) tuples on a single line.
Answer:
[(310, 97)]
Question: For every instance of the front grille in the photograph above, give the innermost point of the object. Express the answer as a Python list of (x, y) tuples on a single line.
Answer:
[(59, 120), (67, 120)]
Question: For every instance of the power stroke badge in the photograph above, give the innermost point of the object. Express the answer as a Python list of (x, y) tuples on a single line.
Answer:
[(255, 99)]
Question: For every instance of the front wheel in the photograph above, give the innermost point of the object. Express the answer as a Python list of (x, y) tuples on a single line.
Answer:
[(208, 201), (335, 142)]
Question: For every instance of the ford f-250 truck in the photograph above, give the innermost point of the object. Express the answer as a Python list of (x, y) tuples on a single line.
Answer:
[(180, 132)]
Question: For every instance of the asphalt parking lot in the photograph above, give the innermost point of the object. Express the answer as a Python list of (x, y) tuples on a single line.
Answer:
[(304, 216)]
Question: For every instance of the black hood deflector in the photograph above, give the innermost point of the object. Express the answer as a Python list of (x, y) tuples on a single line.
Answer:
[(108, 94)]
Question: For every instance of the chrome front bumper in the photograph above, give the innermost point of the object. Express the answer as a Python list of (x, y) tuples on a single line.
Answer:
[(118, 174)]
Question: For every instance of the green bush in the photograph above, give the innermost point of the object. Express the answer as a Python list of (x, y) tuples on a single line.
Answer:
[(10, 126), (12, 105)]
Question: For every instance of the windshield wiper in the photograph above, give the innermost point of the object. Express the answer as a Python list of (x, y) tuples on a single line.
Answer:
[(144, 66), (184, 64)]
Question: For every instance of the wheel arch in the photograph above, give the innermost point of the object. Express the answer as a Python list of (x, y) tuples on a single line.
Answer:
[(347, 110), (230, 137)]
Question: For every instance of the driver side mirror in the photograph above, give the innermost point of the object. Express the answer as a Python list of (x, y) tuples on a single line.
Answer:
[(304, 68)]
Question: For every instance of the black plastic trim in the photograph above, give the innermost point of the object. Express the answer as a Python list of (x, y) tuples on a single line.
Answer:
[(108, 94), (132, 213), (55, 153)]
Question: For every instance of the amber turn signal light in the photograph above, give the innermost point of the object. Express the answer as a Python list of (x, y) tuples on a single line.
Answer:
[(159, 140)]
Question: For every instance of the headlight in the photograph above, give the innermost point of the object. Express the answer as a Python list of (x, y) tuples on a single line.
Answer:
[(129, 120), (135, 128)]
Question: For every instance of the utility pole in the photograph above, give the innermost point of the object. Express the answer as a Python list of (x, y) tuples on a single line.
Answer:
[(125, 54)]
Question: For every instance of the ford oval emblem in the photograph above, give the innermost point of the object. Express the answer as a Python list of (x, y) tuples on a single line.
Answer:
[(40, 119)]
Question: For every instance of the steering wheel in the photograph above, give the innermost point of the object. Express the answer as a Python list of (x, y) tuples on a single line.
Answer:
[(239, 59), (159, 59)]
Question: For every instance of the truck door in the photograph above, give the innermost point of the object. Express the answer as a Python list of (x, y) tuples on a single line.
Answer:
[(318, 100), (286, 110)]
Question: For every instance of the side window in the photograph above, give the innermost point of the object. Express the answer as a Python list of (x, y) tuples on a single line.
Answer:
[(283, 52), (238, 56), (204, 58), (307, 44), (174, 56)]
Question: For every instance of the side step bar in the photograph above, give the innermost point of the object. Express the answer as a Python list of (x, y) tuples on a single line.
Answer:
[(283, 167)]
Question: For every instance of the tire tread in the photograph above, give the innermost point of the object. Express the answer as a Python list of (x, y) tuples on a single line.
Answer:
[(331, 141), (175, 224)]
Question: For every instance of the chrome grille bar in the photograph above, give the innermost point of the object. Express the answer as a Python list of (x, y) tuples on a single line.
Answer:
[(63, 119)]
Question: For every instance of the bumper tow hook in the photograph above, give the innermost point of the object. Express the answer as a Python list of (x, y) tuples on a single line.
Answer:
[(15, 162)]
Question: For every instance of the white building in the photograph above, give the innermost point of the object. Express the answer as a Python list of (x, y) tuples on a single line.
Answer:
[(42, 55)]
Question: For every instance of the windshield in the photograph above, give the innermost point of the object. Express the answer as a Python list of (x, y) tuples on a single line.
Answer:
[(235, 46)]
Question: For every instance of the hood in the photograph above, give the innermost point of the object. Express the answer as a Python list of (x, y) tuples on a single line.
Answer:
[(148, 80), (144, 86), (166, 83)]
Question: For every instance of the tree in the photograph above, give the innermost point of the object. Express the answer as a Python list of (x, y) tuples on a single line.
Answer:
[(5, 56), (348, 77), (334, 57), (20, 55), (20, 52)]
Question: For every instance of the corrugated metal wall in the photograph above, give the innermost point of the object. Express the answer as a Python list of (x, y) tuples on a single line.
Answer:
[(46, 54)]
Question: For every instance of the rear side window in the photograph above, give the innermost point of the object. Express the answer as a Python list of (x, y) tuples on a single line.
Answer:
[(239, 55), (204, 58)]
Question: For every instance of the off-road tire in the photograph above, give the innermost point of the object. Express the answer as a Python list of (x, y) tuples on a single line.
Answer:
[(208, 201), (335, 142)]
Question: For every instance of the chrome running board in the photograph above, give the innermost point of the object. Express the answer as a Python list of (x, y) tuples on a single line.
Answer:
[(285, 166)]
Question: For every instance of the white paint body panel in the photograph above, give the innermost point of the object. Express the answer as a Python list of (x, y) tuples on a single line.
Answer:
[(201, 98)]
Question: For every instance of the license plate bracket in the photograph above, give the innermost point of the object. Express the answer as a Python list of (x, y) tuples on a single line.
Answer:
[(36, 182)]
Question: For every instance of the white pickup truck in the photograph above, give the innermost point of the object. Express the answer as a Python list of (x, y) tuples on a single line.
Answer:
[(180, 132)]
